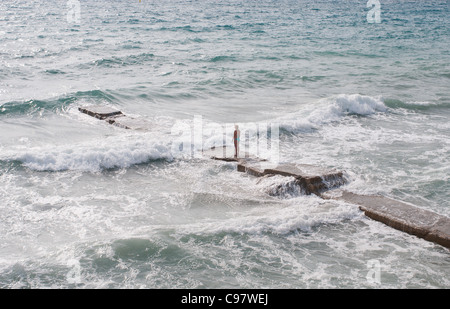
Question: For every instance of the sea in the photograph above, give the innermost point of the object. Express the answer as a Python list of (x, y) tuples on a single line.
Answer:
[(358, 86)]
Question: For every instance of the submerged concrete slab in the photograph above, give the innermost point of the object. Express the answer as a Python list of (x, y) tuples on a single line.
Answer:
[(310, 179), (130, 123), (226, 154), (401, 216), (116, 117), (220, 153), (100, 112)]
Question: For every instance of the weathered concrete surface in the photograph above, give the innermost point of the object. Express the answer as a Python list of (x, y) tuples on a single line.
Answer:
[(401, 216), (130, 123), (225, 154), (311, 179), (116, 117), (100, 112)]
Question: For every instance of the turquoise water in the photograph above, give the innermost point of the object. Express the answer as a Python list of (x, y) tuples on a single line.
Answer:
[(89, 205)]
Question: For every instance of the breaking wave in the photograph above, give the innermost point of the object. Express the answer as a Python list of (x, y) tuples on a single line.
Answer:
[(33, 106), (303, 214), (416, 105), (117, 152), (331, 110)]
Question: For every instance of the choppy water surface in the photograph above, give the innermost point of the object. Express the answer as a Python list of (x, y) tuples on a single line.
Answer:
[(89, 205)]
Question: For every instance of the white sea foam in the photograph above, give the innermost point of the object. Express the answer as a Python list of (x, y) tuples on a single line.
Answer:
[(330, 110), (421, 103), (299, 214), (111, 152), (280, 186)]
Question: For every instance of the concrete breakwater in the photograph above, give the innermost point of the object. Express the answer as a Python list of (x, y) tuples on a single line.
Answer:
[(316, 180), (323, 182), (310, 179), (116, 117), (400, 215)]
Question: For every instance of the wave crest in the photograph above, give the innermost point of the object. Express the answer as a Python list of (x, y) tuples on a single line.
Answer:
[(93, 156), (331, 110)]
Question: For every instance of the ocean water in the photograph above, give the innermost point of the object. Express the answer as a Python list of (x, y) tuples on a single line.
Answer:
[(84, 204)]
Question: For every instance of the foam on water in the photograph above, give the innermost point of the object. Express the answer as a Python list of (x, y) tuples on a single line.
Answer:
[(331, 109), (105, 153), (303, 215), (86, 204)]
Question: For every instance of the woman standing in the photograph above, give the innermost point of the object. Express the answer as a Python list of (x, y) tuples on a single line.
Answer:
[(236, 138)]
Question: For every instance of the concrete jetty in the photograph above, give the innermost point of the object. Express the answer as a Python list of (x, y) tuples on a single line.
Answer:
[(311, 179), (224, 154), (325, 182), (399, 215), (116, 117), (100, 112)]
